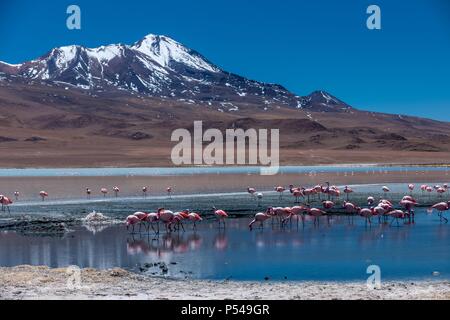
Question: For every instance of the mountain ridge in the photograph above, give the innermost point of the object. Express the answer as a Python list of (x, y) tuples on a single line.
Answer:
[(159, 66)]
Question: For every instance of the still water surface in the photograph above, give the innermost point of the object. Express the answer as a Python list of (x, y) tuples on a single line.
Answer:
[(340, 251)]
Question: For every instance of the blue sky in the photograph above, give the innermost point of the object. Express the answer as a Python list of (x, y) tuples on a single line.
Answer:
[(303, 45)]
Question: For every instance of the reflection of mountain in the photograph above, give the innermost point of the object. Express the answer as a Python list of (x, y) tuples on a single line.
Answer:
[(121, 97)]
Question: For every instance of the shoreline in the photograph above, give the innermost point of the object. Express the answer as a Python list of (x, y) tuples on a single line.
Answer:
[(43, 283)]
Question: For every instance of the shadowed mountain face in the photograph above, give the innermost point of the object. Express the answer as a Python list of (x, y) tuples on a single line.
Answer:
[(118, 104)]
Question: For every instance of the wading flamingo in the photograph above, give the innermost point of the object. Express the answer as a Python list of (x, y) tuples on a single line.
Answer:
[(396, 215), (411, 188), (251, 191), (132, 221), (151, 219), (423, 188), (385, 190), (308, 192), (169, 192), (297, 211), (178, 219), (408, 203), (142, 216), (88, 193), (43, 195), (347, 191), (220, 215), (316, 214), (261, 217), (104, 191), (166, 216), (370, 201), (116, 191), (367, 214), (297, 193), (281, 213), (144, 191), (441, 207), (440, 191), (16, 195), (327, 205), (5, 202), (195, 218), (280, 190)]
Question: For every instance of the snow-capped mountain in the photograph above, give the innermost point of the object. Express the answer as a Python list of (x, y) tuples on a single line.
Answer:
[(160, 66)]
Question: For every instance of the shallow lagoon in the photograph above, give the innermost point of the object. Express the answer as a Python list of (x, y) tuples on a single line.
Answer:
[(341, 251)]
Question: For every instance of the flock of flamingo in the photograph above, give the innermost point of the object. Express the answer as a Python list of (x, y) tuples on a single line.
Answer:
[(384, 209)]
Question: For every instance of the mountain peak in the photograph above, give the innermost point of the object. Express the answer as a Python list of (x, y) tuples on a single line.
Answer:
[(166, 51)]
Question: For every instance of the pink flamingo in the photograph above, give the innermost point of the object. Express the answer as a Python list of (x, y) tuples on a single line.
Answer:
[(144, 191), (297, 193), (411, 188), (347, 191), (385, 190), (441, 207), (297, 211), (334, 192), (116, 191), (366, 213), (281, 213), (166, 216), (396, 215), (178, 219), (220, 215), (370, 201), (261, 217), (327, 205), (409, 204), (43, 195), (132, 221), (169, 192), (316, 213), (423, 188), (280, 190), (5, 202), (318, 190), (16, 195), (151, 219), (104, 191), (308, 192), (349, 207), (440, 191), (251, 191), (142, 216), (88, 193), (195, 218)]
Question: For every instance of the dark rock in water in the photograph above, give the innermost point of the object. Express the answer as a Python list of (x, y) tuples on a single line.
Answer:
[(44, 227), (267, 278)]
